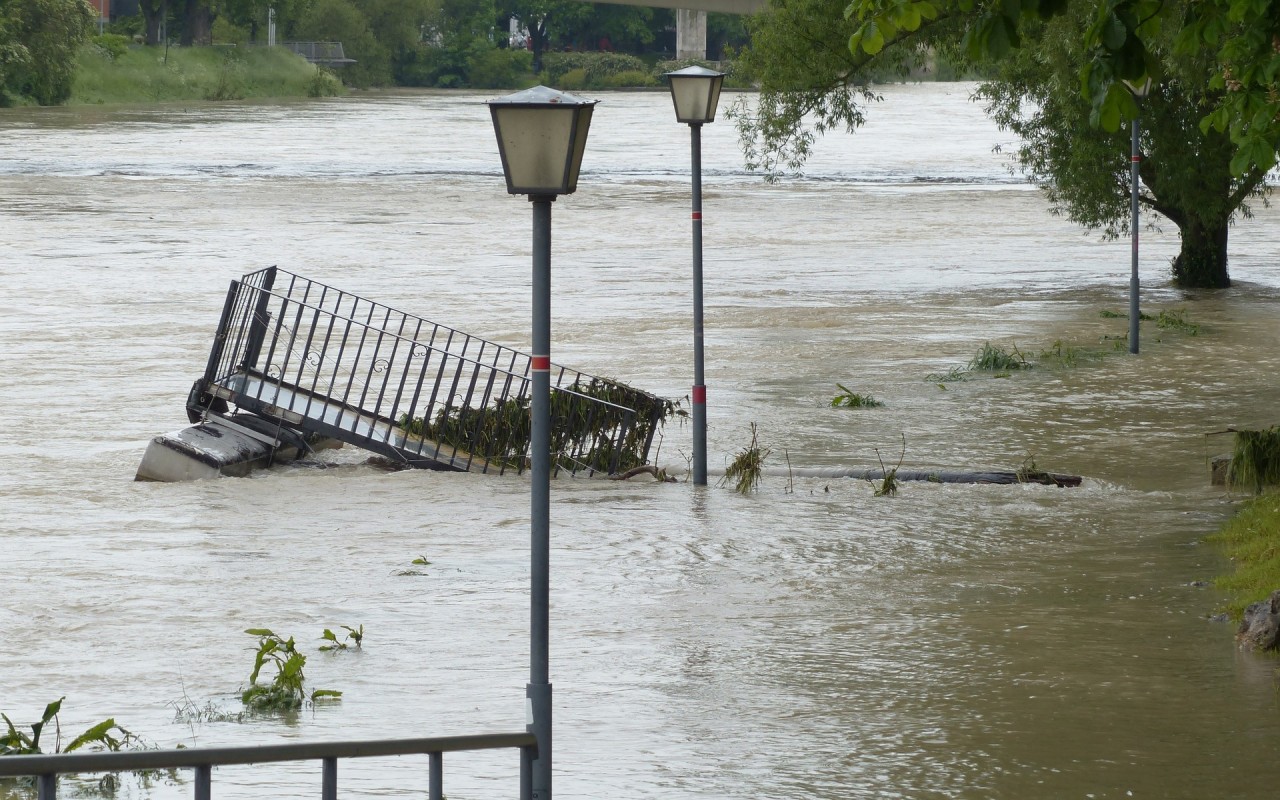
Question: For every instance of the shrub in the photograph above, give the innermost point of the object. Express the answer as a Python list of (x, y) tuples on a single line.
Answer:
[(596, 67), (111, 45), (499, 68), (572, 80), (629, 80)]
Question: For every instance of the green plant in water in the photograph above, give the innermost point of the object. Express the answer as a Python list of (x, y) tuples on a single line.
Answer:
[(287, 690), (1030, 472), (1255, 460), (354, 636), (106, 735), (747, 468), (950, 376), (889, 482), (851, 399), (1177, 320), (597, 425), (995, 359), (421, 561)]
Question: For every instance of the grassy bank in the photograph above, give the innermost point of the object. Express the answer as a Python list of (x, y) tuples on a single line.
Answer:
[(111, 72), (1251, 539)]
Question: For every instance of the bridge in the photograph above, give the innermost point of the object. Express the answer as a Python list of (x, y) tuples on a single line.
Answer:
[(691, 19)]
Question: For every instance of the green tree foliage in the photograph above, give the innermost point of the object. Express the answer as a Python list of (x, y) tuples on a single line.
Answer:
[(541, 18), (39, 40), (1187, 174), (1060, 66), (343, 21)]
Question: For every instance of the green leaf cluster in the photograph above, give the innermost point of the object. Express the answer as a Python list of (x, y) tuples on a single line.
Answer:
[(39, 42), (106, 734), (287, 690)]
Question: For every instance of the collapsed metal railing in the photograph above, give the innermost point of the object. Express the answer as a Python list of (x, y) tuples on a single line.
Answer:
[(46, 768), (327, 362)]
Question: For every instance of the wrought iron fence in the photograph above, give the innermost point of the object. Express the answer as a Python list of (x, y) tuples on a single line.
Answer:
[(332, 363), (46, 768)]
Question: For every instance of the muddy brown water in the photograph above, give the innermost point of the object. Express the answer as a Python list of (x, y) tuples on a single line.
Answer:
[(807, 641)]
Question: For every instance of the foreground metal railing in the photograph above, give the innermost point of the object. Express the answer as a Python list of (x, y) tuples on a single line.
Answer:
[(335, 364), (46, 768)]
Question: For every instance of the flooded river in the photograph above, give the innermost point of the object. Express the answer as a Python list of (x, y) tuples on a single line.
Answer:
[(807, 641)]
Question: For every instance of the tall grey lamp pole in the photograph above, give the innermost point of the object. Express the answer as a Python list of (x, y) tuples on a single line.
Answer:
[(542, 135), (1139, 92), (696, 93)]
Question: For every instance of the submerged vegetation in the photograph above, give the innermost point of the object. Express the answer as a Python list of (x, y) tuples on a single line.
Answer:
[(1251, 539), (851, 399), (1001, 363), (597, 425), (287, 690), (1255, 460), (354, 638), (747, 468)]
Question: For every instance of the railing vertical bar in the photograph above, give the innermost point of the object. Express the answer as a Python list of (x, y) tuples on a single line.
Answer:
[(396, 338), (342, 346), (404, 374), (526, 773), (436, 788), (241, 321), (365, 327), (47, 787), (204, 782), (471, 392), (620, 437), (271, 353), (417, 389), (306, 350), (377, 350), (220, 338), (329, 779)]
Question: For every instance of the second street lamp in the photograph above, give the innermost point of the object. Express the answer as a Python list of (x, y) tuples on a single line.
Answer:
[(1139, 92), (542, 135), (696, 93)]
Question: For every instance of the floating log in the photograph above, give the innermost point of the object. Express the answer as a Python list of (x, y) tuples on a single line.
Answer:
[(934, 475)]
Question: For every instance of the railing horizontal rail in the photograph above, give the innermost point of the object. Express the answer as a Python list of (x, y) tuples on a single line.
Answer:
[(124, 761)]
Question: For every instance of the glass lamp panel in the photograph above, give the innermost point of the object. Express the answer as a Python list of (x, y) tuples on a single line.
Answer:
[(691, 96), (582, 124)]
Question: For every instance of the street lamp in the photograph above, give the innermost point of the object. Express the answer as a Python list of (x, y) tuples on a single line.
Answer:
[(696, 93), (1139, 92), (542, 134)]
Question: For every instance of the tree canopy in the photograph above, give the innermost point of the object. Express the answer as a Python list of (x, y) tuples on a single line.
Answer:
[(1056, 75), (39, 40)]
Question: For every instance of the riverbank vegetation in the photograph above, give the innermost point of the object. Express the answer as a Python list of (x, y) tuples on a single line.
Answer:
[(1251, 539), (110, 71)]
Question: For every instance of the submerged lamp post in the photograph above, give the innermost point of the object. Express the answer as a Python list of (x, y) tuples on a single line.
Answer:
[(696, 93), (1139, 92), (542, 134)]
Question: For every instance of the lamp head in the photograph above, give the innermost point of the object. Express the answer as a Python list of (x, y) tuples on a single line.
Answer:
[(542, 135), (696, 93)]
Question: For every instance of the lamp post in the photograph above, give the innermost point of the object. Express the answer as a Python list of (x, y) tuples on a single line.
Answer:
[(1139, 92), (541, 134), (696, 93)]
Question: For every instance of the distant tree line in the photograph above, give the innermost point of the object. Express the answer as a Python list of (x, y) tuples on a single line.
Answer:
[(439, 43)]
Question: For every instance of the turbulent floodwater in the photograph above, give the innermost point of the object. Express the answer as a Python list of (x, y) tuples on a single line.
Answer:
[(807, 641)]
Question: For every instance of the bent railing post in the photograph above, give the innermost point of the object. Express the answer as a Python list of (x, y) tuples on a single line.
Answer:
[(220, 339), (258, 328)]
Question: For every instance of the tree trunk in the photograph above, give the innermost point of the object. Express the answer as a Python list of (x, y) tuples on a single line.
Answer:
[(1202, 262), (538, 44), (153, 14), (197, 26)]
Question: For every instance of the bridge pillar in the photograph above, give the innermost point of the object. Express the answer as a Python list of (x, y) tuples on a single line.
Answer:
[(691, 34)]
